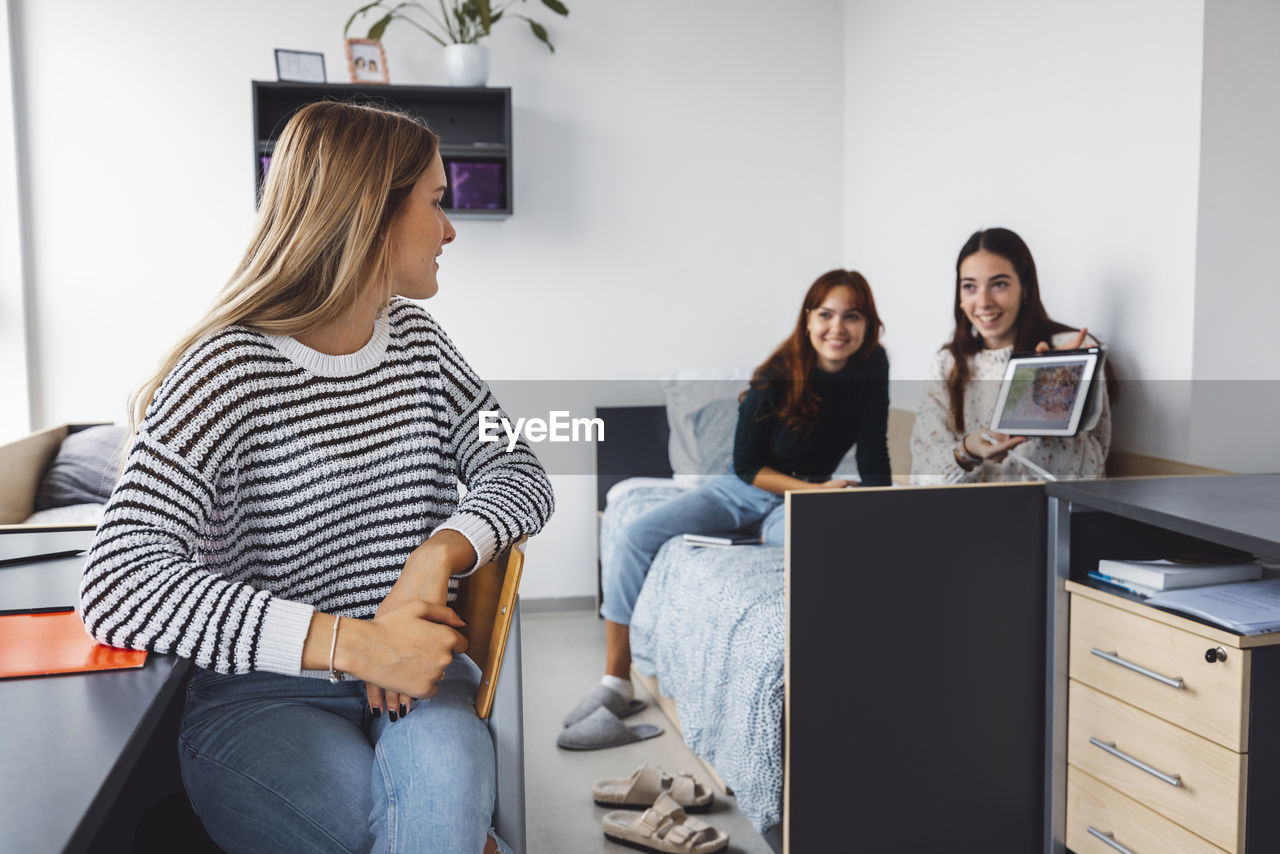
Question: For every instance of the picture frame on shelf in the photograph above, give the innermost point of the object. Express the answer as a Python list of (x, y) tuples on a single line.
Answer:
[(300, 66), (367, 61)]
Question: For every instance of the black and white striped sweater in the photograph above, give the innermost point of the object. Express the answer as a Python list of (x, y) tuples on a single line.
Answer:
[(269, 480)]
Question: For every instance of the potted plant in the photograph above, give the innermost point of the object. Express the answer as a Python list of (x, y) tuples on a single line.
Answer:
[(458, 26)]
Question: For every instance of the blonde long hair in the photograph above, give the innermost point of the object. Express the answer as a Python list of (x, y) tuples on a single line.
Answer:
[(339, 174)]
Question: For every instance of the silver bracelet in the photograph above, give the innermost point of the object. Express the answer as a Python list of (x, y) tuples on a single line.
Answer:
[(335, 676)]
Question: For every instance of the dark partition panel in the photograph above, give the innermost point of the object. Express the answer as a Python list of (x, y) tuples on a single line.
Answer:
[(916, 670)]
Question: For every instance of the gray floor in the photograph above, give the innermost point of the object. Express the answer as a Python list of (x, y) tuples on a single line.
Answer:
[(563, 657)]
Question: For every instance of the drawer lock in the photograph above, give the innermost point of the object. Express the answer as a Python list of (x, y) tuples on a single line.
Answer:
[(1215, 654)]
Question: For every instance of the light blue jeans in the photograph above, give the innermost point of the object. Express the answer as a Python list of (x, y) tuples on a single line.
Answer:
[(290, 764), (726, 505)]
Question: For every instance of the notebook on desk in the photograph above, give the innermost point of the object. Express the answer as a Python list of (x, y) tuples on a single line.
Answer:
[(486, 601), (47, 644)]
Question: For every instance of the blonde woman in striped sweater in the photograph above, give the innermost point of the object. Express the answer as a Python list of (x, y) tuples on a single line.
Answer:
[(288, 515)]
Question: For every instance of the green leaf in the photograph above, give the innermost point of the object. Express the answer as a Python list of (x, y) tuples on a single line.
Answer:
[(541, 32), (357, 13), (497, 16), (376, 31), (556, 6), (431, 18), (486, 15), (453, 37)]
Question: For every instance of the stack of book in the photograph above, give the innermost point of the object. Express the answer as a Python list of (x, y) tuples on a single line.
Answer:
[(1228, 595), (1149, 577)]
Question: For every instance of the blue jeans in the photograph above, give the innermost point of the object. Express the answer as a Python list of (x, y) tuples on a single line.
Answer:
[(726, 505), (290, 764)]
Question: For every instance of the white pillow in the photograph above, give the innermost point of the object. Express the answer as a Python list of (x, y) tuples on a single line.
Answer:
[(687, 392)]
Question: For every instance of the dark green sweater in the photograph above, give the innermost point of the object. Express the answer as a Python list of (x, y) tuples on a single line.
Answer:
[(853, 408)]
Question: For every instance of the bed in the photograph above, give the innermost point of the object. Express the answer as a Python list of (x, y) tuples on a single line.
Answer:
[(710, 624), (709, 627)]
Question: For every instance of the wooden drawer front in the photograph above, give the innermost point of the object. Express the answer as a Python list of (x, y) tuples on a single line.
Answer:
[(1091, 804), (1212, 700), (1210, 800)]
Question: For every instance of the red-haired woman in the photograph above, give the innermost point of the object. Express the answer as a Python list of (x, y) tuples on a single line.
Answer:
[(825, 389)]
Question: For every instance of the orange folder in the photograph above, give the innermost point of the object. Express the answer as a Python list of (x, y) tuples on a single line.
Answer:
[(42, 644)]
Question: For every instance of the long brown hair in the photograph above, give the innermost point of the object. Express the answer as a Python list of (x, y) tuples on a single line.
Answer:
[(795, 357), (339, 174), (1031, 326)]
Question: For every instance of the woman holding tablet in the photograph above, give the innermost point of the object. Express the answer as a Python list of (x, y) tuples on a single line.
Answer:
[(288, 516), (824, 389), (997, 312)]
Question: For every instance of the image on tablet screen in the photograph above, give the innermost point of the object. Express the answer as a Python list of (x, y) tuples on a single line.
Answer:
[(1042, 396)]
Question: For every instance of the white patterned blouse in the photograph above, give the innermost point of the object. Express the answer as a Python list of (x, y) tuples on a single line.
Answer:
[(933, 441)]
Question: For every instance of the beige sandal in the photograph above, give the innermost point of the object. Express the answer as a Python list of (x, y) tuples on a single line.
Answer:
[(648, 781), (665, 829)]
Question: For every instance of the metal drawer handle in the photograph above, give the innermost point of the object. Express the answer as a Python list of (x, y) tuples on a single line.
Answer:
[(1110, 747), (1171, 681), (1109, 838)]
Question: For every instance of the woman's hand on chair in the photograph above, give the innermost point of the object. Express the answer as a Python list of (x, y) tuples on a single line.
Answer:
[(403, 652), (425, 578)]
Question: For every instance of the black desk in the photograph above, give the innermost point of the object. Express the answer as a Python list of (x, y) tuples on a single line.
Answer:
[(1144, 518), (70, 742)]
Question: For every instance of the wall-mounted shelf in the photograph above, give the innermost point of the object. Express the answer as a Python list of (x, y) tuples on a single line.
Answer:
[(474, 125)]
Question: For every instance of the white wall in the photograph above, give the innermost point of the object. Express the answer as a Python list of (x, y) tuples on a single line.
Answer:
[(14, 415), (683, 170), (1237, 353), (1075, 124), (678, 168)]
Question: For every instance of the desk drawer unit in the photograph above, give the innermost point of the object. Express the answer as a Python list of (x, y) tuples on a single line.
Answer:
[(1100, 820), (1161, 669), (1180, 775), (1164, 729)]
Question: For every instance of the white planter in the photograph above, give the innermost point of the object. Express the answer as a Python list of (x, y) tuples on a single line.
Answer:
[(466, 64)]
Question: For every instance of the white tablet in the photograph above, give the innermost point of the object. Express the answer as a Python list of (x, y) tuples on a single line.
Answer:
[(1044, 394)]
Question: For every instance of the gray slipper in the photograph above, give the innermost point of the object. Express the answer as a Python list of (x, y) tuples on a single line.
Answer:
[(603, 697), (602, 729)]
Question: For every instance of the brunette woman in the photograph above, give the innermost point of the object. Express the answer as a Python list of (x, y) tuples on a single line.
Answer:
[(997, 312)]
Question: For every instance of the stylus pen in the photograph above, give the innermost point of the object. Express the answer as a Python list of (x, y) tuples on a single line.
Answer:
[(52, 609), (1035, 469)]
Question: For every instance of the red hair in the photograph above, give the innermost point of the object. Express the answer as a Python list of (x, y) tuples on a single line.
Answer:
[(795, 357)]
